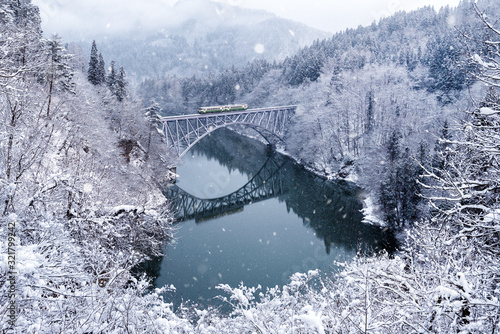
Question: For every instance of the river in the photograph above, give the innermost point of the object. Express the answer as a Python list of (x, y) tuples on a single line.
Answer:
[(272, 219)]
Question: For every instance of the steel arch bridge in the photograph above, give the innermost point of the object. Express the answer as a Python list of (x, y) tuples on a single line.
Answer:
[(183, 132), (267, 183)]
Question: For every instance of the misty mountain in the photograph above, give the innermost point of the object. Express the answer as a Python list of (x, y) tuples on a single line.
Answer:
[(197, 37)]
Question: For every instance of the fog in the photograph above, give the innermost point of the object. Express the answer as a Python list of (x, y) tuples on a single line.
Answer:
[(119, 16)]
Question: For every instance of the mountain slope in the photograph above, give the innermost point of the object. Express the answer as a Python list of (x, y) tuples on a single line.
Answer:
[(191, 37)]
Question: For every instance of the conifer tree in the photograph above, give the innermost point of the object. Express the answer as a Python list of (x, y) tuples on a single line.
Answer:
[(93, 72), (399, 192), (441, 148), (111, 79), (370, 111), (393, 151), (152, 113), (59, 75), (121, 84), (101, 70)]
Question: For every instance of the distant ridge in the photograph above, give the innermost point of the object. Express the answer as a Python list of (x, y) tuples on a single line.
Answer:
[(191, 37)]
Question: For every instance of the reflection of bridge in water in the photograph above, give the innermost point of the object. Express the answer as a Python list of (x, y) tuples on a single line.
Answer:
[(267, 183)]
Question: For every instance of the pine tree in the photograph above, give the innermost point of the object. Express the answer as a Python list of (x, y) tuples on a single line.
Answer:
[(101, 70), (370, 111), (152, 113), (393, 150), (446, 78), (59, 75), (400, 192), (121, 85), (93, 72), (441, 148), (111, 79)]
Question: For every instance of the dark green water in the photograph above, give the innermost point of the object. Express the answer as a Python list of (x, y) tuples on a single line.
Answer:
[(285, 220)]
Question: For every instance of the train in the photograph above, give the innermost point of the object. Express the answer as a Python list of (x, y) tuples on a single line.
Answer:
[(229, 107)]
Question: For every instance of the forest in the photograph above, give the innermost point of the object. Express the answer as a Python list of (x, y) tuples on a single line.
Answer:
[(408, 108)]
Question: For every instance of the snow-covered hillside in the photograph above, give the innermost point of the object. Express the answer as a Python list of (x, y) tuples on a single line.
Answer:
[(186, 37)]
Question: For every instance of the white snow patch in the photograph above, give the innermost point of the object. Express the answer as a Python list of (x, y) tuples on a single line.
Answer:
[(240, 296), (462, 281), (481, 62), (311, 319), (87, 188), (492, 216), (371, 212), (488, 111), (447, 293)]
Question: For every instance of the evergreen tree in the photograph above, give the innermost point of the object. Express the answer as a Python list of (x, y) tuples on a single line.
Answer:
[(111, 79), (393, 150), (59, 75), (121, 84), (400, 192), (446, 78), (152, 113), (101, 70), (370, 111), (423, 153), (441, 148), (93, 71), (491, 100)]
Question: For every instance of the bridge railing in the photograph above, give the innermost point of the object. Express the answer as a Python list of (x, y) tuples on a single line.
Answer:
[(254, 110)]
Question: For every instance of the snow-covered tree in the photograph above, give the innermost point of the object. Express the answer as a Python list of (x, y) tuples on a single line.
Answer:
[(59, 74), (121, 85), (111, 79), (93, 70), (101, 70)]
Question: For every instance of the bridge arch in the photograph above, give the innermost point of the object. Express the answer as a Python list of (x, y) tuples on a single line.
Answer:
[(183, 132), (258, 129)]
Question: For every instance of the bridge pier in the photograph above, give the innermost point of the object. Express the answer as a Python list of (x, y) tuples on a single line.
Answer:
[(270, 148), (172, 174)]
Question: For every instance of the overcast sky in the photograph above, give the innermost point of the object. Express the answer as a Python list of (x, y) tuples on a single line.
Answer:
[(336, 15), (327, 15)]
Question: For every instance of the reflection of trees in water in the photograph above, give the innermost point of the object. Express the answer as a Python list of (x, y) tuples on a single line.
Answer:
[(330, 209), (151, 267), (333, 211)]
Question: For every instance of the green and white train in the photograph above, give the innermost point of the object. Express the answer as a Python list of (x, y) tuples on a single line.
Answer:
[(229, 107)]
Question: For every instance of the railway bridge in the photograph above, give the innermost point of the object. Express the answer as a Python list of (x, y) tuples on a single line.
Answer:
[(183, 132)]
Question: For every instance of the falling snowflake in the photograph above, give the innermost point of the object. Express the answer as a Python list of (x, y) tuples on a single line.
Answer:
[(259, 48)]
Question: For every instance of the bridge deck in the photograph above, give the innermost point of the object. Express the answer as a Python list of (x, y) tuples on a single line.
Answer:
[(207, 115)]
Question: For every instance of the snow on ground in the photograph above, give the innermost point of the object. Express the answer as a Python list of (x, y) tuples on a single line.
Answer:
[(371, 211)]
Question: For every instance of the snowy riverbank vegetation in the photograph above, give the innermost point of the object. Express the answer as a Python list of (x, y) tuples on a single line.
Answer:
[(411, 103), (80, 205)]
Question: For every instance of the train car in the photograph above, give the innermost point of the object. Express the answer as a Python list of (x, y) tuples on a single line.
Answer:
[(229, 107)]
